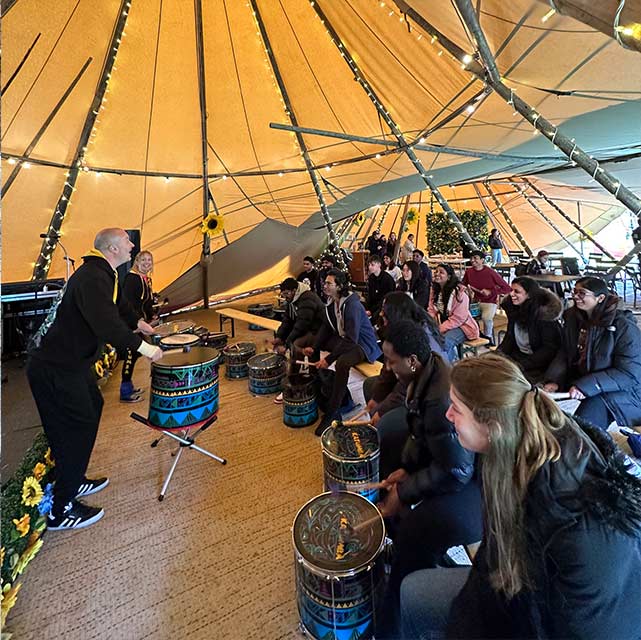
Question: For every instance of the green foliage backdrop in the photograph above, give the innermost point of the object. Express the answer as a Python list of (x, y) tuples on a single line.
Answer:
[(443, 238)]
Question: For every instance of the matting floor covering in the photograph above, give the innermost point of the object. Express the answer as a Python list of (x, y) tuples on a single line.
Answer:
[(214, 560)]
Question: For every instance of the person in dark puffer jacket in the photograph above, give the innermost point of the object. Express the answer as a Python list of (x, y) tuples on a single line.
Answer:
[(561, 555), (433, 501), (533, 335), (599, 362)]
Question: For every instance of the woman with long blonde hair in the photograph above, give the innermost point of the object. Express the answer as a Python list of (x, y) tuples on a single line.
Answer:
[(561, 554), (138, 291)]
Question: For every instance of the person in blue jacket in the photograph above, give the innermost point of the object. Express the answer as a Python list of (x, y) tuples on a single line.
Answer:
[(347, 334)]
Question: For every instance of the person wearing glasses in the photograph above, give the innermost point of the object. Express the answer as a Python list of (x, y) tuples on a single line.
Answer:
[(599, 361)]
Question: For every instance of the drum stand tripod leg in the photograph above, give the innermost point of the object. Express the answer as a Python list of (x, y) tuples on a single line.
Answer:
[(169, 475), (190, 444)]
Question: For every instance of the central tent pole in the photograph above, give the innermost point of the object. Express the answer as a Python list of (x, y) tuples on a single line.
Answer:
[(509, 221)]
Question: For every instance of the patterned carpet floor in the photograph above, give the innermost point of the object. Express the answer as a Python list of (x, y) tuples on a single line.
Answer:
[(214, 560)]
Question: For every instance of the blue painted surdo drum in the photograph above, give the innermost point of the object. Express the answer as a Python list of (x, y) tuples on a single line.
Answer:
[(351, 459), (236, 357), (266, 373), (338, 539), (299, 401), (184, 388), (262, 310), (179, 341), (171, 328)]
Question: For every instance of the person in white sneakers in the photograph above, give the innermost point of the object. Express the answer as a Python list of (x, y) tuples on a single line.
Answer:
[(60, 374)]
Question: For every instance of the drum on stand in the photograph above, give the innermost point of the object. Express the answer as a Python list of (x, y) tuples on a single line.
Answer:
[(262, 310), (236, 356), (184, 388), (351, 459), (338, 539), (179, 341), (266, 373), (170, 328), (299, 401)]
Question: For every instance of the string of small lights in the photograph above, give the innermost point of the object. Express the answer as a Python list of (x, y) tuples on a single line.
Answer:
[(87, 138), (389, 121)]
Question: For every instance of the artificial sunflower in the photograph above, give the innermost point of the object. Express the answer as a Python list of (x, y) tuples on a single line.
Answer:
[(49, 461), (26, 557), (360, 218), (39, 470), (2, 556), (213, 225), (9, 596), (412, 216), (100, 372), (31, 492), (22, 525)]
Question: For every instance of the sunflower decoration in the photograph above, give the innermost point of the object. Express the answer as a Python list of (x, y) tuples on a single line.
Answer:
[(360, 218), (31, 492), (412, 216), (213, 225), (99, 369)]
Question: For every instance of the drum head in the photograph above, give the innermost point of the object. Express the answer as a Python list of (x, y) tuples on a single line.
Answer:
[(297, 380), (239, 348), (265, 361), (194, 358), (179, 340), (350, 442), (170, 328), (338, 532)]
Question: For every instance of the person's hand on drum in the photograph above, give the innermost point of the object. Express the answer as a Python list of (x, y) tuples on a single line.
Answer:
[(400, 475), (575, 393), (550, 387), (374, 419), (280, 348), (157, 354), (145, 327), (308, 351), (391, 505), (321, 364)]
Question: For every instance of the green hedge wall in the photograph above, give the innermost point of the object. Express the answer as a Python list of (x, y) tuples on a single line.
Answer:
[(443, 238)]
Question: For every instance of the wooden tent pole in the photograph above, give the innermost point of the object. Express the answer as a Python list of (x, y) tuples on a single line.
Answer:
[(20, 65), (602, 16), (538, 209), (393, 127), (202, 97), (567, 218), (567, 145), (49, 244), (397, 250), (495, 221), (289, 110), (509, 221)]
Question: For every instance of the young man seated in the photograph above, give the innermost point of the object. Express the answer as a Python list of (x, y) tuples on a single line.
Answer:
[(379, 284), (347, 334), (308, 275)]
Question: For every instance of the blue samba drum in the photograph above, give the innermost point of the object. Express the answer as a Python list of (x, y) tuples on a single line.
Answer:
[(475, 310), (351, 458), (266, 373), (299, 401), (262, 310), (179, 341), (236, 356), (338, 539), (170, 328), (184, 388)]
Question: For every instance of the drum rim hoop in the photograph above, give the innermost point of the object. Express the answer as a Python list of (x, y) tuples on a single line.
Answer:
[(161, 365), (337, 458), (328, 573)]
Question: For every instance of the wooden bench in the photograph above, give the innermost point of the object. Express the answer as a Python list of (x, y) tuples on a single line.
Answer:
[(229, 314), (472, 346), (369, 369)]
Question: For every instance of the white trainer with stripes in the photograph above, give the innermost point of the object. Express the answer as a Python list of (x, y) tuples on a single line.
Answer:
[(75, 515)]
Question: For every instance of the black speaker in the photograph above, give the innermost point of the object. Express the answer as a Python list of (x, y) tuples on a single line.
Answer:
[(123, 269), (570, 266)]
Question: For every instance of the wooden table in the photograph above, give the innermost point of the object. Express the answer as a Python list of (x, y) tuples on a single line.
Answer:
[(550, 277)]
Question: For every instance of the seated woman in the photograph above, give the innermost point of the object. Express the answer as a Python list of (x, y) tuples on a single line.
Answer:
[(392, 268), (412, 284), (450, 307), (600, 358), (562, 544), (533, 335), (385, 393), (433, 501)]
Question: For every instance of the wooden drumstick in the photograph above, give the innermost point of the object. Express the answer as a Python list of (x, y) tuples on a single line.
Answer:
[(366, 523), (354, 420), (306, 362), (354, 423)]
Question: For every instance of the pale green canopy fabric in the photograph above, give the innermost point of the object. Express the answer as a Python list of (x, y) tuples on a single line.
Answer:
[(150, 123)]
